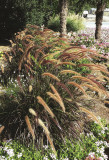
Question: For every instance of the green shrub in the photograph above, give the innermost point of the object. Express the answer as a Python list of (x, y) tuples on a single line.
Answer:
[(54, 24), (74, 23), (42, 76)]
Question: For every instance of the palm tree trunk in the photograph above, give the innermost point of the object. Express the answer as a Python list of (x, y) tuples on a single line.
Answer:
[(63, 15), (99, 19)]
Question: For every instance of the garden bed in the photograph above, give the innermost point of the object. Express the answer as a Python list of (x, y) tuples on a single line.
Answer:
[(44, 81)]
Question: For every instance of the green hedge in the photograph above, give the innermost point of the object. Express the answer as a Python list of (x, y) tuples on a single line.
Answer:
[(74, 23)]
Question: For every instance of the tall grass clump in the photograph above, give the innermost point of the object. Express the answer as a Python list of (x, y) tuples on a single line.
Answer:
[(74, 23), (43, 85)]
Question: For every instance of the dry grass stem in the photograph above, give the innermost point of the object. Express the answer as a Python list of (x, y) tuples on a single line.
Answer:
[(91, 115), (43, 103), (78, 86), (10, 58), (93, 88), (97, 67), (103, 70), (69, 71), (60, 101), (1, 129), (52, 145), (29, 127), (57, 100), (52, 76), (106, 102), (85, 79), (53, 96), (66, 63), (2, 68)]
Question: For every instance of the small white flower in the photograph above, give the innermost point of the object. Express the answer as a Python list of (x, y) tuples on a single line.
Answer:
[(106, 128), (99, 118), (75, 159), (92, 155), (46, 158), (97, 143), (105, 157), (103, 132), (19, 155), (3, 158), (45, 146), (52, 156), (5, 148), (10, 152)]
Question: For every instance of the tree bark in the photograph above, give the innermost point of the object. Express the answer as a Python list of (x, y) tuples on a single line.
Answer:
[(63, 16), (99, 18)]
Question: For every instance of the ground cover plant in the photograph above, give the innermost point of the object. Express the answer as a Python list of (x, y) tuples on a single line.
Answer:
[(43, 82), (91, 145), (86, 39)]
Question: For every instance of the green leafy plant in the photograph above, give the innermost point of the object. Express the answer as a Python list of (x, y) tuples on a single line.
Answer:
[(74, 23), (15, 150)]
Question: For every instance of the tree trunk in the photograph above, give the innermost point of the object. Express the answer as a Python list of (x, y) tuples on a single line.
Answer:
[(99, 19), (63, 16)]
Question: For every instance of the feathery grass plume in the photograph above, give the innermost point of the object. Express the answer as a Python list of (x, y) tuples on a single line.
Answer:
[(20, 49), (69, 71), (42, 58), (102, 70), (97, 67), (10, 58), (78, 86), (93, 88), (106, 102), (28, 67), (30, 88), (53, 96), (49, 61), (105, 77), (2, 68), (51, 75), (85, 79), (32, 112), (41, 123), (52, 145), (55, 53), (62, 85), (93, 65), (91, 115), (20, 63), (4, 58), (43, 103), (58, 97), (68, 99), (29, 127), (100, 87), (66, 63), (1, 129)]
